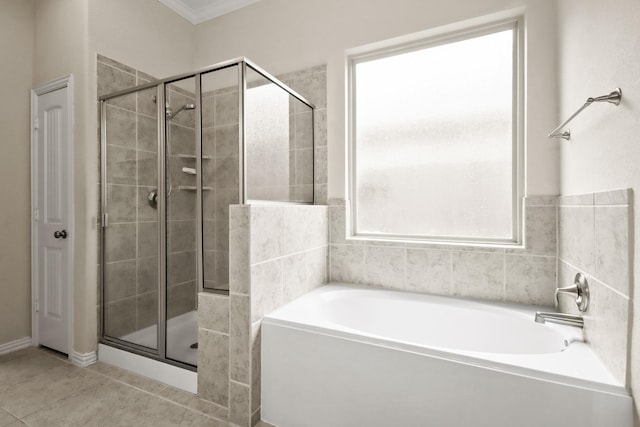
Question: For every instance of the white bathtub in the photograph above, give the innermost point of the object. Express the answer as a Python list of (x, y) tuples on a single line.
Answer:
[(351, 356)]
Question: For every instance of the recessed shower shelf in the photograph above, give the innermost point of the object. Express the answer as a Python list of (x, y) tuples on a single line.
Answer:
[(192, 156), (193, 188)]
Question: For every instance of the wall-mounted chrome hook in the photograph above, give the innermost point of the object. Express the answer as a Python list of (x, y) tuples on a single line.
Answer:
[(580, 288)]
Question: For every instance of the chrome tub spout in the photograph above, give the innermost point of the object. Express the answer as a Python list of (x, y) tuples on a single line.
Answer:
[(561, 318)]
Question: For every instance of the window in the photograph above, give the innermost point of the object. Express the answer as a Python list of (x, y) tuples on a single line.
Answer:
[(435, 140)]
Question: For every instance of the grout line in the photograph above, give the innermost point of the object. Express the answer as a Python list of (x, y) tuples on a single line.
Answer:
[(304, 251), (596, 279), (157, 395)]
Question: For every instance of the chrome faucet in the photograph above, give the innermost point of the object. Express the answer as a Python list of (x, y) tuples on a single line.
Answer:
[(580, 289), (561, 318)]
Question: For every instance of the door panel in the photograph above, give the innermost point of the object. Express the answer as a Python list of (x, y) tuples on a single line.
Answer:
[(53, 199)]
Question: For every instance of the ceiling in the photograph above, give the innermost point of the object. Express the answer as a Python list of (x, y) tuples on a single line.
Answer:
[(197, 11)]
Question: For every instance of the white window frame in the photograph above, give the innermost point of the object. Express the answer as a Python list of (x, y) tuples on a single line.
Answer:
[(419, 42)]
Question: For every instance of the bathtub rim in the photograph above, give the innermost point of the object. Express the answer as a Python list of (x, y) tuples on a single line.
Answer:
[(476, 359)]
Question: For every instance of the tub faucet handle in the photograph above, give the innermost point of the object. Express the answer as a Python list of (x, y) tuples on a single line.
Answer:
[(580, 288)]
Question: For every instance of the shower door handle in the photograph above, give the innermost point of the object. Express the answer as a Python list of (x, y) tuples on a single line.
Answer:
[(60, 234)]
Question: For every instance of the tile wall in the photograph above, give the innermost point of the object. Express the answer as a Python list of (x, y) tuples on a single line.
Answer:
[(131, 238), (595, 238), (220, 130), (526, 275)]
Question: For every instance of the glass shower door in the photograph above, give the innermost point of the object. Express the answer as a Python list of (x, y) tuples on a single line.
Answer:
[(181, 220), (130, 238)]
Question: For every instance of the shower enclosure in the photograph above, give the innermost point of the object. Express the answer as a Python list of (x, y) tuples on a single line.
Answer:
[(175, 154)]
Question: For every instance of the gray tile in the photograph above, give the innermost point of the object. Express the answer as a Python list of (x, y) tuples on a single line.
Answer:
[(615, 197), (115, 64), (303, 130), (428, 271), (222, 269), (226, 141), (606, 327), (240, 328), (146, 309), (347, 264), (120, 317), (128, 377), (182, 140), (385, 266), (266, 288), (181, 236), (256, 368), (121, 127), (226, 172), (304, 166), (478, 275), (213, 367), (147, 133), (226, 108), (120, 242), (147, 274), (239, 403), (213, 312), (121, 165), (540, 231), (147, 169), (121, 203), (239, 249), (147, 239), (576, 237), (320, 127), (320, 165), (110, 80), (146, 103), (317, 261), (181, 299), (530, 280), (181, 267), (304, 227), (146, 212), (266, 232), (192, 401), (576, 200), (120, 280), (541, 201), (314, 88), (294, 268), (612, 251)]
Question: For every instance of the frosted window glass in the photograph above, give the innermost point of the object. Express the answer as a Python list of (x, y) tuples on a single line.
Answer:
[(435, 141)]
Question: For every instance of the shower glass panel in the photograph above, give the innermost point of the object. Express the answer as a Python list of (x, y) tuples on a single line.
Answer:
[(176, 153), (279, 143), (130, 255), (181, 203), (220, 171)]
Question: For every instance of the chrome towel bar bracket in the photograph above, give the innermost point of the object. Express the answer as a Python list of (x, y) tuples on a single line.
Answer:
[(613, 98)]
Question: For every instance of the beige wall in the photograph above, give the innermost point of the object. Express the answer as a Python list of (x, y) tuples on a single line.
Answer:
[(598, 46), (61, 39), (286, 35), (16, 46), (68, 35)]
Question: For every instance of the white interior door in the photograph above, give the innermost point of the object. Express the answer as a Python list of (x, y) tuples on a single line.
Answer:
[(52, 226)]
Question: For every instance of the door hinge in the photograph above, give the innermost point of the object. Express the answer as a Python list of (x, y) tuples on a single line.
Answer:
[(35, 123), (105, 220), (36, 215), (36, 306)]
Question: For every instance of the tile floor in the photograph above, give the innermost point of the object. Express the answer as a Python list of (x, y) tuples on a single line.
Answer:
[(39, 387)]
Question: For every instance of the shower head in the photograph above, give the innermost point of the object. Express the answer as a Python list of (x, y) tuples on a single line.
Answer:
[(172, 114)]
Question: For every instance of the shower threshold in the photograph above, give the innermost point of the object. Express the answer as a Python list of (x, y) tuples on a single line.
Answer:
[(182, 333), (174, 376)]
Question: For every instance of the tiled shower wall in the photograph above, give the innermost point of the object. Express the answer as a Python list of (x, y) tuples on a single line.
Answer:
[(131, 238), (277, 255), (525, 275), (595, 238)]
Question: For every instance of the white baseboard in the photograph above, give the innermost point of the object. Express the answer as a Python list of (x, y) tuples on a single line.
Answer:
[(83, 360), (15, 345)]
